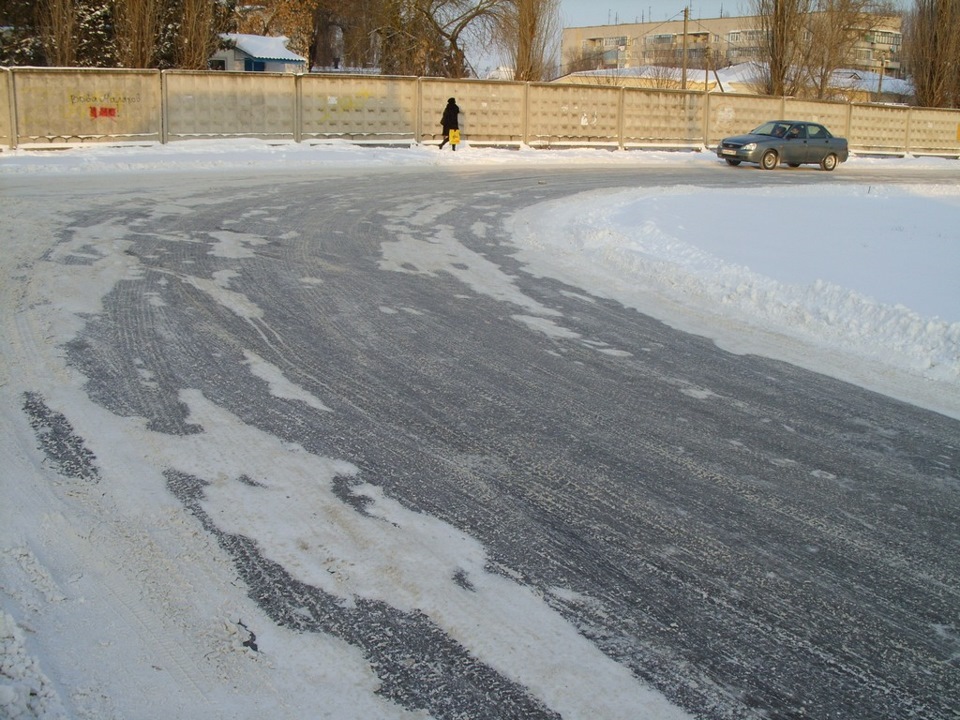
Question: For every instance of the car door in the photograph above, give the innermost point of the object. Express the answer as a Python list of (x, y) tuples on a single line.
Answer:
[(795, 145), (818, 143)]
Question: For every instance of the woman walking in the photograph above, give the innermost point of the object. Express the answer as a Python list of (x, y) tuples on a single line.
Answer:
[(450, 121)]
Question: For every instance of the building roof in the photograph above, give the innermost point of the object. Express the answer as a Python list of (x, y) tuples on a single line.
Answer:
[(261, 47)]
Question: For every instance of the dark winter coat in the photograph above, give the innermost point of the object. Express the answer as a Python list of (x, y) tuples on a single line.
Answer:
[(450, 119)]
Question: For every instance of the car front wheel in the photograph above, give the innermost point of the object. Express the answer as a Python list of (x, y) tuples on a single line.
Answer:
[(829, 162), (769, 160)]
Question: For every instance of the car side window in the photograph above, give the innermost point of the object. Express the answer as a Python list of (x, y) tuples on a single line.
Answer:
[(817, 132), (797, 132)]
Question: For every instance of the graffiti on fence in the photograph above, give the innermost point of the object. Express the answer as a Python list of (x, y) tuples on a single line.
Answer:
[(103, 105)]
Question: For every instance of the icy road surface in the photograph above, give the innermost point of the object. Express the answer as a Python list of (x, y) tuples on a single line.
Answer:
[(321, 446)]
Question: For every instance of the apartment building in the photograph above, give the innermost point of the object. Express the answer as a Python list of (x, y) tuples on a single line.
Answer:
[(710, 42)]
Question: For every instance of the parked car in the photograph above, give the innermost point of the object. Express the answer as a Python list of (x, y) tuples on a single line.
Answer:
[(790, 141)]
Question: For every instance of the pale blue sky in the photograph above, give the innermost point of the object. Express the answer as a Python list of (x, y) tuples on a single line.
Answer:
[(576, 13), (579, 13)]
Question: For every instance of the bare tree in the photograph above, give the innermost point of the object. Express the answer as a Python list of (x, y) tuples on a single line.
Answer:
[(344, 32), (135, 29), (932, 49), (782, 27), (450, 22), (197, 40), (581, 59), (427, 37), (527, 30), (663, 70), (57, 22), (832, 32)]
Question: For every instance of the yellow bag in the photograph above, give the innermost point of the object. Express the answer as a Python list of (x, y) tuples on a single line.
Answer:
[(454, 137)]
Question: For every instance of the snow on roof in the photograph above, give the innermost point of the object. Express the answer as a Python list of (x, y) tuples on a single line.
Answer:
[(748, 72), (742, 73), (870, 81), (261, 47), (849, 79), (634, 72)]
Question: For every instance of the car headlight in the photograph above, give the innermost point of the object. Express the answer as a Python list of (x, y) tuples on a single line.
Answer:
[(749, 147)]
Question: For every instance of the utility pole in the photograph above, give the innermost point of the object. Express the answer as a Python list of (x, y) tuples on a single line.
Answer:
[(683, 77), (883, 63)]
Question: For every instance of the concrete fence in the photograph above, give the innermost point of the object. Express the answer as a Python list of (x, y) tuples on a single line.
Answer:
[(44, 107)]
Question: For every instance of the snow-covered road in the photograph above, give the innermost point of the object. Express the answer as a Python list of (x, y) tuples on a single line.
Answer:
[(328, 447)]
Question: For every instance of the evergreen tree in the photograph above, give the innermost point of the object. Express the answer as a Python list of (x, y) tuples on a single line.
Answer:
[(20, 42)]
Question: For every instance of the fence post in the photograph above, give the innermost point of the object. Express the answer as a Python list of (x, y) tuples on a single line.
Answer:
[(906, 131), (525, 115), (846, 132), (418, 124), (12, 95), (621, 103), (298, 108), (164, 111), (706, 117)]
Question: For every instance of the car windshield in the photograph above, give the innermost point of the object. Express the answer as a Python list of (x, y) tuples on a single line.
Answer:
[(773, 128)]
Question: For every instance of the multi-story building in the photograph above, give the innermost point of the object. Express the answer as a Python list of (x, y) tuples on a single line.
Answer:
[(711, 42)]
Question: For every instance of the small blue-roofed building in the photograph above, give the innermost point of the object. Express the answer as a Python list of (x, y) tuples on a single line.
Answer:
[(257, 53)]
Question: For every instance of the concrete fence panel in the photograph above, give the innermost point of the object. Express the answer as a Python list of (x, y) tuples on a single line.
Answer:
[(490, 112), (664, 118), (731, 114), (7, 109), (358, 108), (878, 128), (230, 104), (831, 114), (573, 115), (75, 105), (934, 131)]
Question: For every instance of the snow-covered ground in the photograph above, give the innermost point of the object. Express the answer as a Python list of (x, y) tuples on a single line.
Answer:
[(867, 273), (866, 287)]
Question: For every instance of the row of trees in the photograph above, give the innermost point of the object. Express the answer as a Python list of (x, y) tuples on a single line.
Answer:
[(802, 41), (808, 40), (405, 37), (110, 33)]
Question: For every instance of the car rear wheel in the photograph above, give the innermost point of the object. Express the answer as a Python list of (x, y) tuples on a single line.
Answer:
[(731, 161), (829, 162), (769, 160)]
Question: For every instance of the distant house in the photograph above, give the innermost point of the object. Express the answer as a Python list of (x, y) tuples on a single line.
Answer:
[(501, 72), (257, 53)]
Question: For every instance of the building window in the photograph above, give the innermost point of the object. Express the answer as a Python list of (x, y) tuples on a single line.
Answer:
[(883, 37)]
